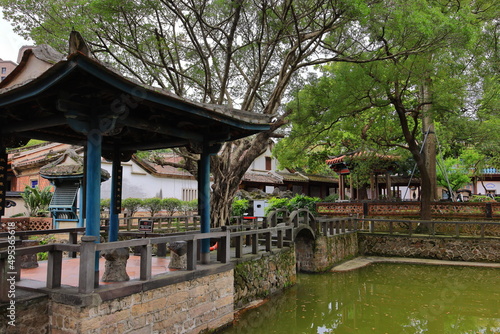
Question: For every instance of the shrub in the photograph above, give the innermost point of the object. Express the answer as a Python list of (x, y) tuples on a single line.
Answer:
[(37, 201), (153, 205), (294, 203), (189, 206), (239, 207), (276, 203), (303, 202), (171, 205), (331, 198), (480, 198), (132, 205), (105, 204)]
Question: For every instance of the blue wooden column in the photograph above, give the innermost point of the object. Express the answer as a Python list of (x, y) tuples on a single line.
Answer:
[(204, 201), (93, 189), (116, 179)]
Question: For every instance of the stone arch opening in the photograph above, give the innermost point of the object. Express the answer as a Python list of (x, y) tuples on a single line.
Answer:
[(304, 248)]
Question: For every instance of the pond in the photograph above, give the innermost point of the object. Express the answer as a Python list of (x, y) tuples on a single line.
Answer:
[(383, 298)]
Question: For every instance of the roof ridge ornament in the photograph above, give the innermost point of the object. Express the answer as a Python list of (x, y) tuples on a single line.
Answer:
[(78, 44)]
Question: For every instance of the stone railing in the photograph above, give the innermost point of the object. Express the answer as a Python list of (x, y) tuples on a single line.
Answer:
[(88, 248), (431, 228), (410, 209), (257, 240)]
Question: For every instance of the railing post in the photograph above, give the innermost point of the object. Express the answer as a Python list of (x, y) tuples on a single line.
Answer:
[(482, 231), (146, 254), (457, 230), (4, 287), (372, 226), (54, 269), (279, 241), (87, 276), (255, 243), (192, 251), (73, 239), (410, 229), (224, 248), (161, 250), (17, 265), (238, 243), (268, 238)]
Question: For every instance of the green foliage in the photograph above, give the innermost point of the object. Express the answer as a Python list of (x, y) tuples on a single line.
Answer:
[(276, 203), (331, 198), (132, 205), (239, 207), (171, 205), (452, 173), (303, 202), (480, 198), (189, 206), (294, 203), (105, 204), (153, 205), (44, 240), (37, 201)]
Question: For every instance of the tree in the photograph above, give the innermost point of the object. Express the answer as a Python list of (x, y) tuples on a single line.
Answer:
[(452, 175), (383, 105), (153, 205), (132, 205), (171, 205), (246, 54)]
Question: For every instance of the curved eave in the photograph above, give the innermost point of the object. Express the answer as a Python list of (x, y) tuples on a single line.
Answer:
[(250, 123)]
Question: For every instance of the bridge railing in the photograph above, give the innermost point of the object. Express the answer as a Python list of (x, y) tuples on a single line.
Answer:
[(320, 225)]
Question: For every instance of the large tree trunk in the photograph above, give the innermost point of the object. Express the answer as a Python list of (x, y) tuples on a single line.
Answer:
[(228, 168), (429, 138)]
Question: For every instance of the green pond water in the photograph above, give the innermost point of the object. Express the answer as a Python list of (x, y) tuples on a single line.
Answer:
[(383, 298)]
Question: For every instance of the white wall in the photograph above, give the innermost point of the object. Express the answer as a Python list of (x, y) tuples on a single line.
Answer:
[(259, 164), (138, 183)]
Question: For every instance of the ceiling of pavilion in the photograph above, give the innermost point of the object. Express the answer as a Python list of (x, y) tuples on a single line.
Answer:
[(79, 94)]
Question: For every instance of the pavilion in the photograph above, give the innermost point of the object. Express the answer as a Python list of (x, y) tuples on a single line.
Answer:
[(79, 100)]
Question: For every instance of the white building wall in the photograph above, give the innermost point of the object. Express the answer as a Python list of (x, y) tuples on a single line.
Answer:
[(259, 164), (138, 183)]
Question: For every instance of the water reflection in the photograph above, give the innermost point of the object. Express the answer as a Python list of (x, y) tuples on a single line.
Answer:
[(383, 298)]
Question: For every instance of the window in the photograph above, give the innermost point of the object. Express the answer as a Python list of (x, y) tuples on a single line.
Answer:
[(189, 194), (1, 79), (4, 70), (268, 163)]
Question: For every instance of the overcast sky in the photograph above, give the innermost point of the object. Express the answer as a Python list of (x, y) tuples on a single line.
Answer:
[(10, 43)]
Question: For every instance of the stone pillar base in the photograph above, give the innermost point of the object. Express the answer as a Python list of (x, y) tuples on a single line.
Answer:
[(178, 255), (116, 265)]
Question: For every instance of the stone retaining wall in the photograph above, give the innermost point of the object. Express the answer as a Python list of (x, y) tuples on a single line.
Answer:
[(258, 277), (31, 315), (189, 306), (444, 248), (323, 253)]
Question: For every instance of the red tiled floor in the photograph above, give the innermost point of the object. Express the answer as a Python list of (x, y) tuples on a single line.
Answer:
[(70, 269)]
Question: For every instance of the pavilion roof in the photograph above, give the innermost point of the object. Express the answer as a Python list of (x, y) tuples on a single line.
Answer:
[(61, 102)]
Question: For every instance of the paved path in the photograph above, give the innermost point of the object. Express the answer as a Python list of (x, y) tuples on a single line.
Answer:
[(364, 261)]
